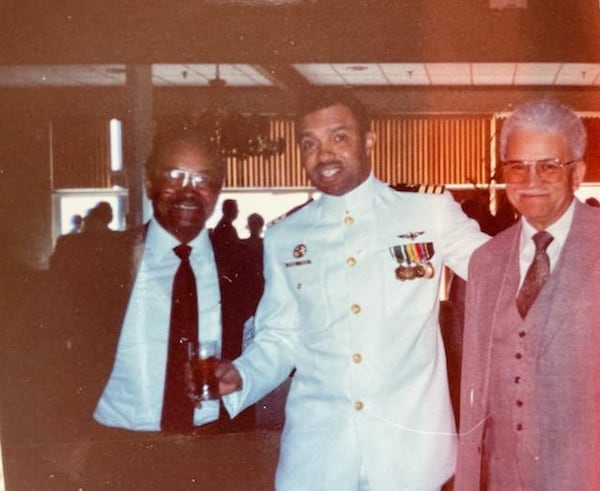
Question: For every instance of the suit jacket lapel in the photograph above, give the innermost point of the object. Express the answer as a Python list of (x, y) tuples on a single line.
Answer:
[(571, 264)]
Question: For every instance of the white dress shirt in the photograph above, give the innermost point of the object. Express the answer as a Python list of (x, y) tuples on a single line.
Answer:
[(132, 398), (559, 230)]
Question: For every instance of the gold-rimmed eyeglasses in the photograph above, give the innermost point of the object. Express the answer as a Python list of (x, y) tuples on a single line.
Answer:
[(549, 170)]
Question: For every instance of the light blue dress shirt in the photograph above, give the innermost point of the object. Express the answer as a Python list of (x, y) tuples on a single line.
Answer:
[(132, 398)]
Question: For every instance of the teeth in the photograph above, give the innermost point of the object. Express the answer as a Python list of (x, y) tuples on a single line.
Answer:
[(329, 172)]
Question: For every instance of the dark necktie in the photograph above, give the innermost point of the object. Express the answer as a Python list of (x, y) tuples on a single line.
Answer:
[(537, 274), (178, 409)]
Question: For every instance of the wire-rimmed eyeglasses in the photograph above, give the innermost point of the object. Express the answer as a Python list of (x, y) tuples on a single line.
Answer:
[(549, 170)]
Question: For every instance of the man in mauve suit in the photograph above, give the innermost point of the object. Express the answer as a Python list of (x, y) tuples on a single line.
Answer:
[(530, 392)]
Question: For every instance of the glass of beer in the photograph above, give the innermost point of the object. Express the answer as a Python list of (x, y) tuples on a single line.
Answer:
[(204, 362)]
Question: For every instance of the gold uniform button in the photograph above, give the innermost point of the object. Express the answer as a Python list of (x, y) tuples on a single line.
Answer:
[(348, 220), (356, 357), (350, 261), (355, 309), (359, 405)]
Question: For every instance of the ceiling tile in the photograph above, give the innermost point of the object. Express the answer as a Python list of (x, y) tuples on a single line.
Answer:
[(319, 73), (536, 73), (405, 73), (493, 73), (578, 74), (449, 73), (359, 74), (201, 74)]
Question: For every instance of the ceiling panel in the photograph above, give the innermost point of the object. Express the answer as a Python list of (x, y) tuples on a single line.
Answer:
[(319, 73), (493, 73), (449, 73), (578, 74), (343, 74), (201, 74), (360, 73), (536, 73), (406, 73)]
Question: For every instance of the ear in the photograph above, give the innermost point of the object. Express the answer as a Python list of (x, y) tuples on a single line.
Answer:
[(578, 174), (150, 189), (370, 139)]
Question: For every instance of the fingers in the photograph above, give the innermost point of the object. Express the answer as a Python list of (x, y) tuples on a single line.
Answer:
[(223, 367), (230, 379)]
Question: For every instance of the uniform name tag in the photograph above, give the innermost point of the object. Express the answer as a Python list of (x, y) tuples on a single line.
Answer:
[(298, 263)]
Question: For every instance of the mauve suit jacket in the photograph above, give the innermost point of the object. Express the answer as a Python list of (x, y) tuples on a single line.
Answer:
[(567, 377)]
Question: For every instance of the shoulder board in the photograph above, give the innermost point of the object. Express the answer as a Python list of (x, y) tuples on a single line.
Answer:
[(419, 188), (288, 213)]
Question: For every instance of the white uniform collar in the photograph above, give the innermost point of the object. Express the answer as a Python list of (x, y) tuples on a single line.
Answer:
[(360, 198)]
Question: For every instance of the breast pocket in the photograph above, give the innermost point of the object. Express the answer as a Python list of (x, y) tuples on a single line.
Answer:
[(305, 280), (411, 278)]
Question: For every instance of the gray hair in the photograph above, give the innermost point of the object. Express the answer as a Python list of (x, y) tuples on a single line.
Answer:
[(547, 115)]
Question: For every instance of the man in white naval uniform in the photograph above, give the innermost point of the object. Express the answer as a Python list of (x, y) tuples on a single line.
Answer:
[(351, 302)]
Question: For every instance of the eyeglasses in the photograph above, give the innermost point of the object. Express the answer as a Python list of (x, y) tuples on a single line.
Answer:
[(180, 177), (549, 170)]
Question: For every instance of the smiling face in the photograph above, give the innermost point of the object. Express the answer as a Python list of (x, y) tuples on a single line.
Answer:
[(542, 203), (182, 208), (334, 154)]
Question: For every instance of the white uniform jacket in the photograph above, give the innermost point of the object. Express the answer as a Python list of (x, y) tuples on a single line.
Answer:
[(370, 387)]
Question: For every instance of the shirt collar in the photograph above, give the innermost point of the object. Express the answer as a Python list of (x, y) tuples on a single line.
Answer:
[(356, 200), (559, 229), (160, 243)]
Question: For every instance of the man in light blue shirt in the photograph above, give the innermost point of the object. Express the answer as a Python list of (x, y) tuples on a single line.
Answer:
[(113, 328)]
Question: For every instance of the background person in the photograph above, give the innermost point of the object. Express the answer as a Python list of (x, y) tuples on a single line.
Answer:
[(252, 277)]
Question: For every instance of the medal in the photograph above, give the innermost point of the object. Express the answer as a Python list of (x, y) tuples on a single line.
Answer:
[(414, 260), (402, 273), (428, 270), (411, 272)]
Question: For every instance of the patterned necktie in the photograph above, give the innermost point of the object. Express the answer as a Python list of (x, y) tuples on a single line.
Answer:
[(537, 274), (178, 409)]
